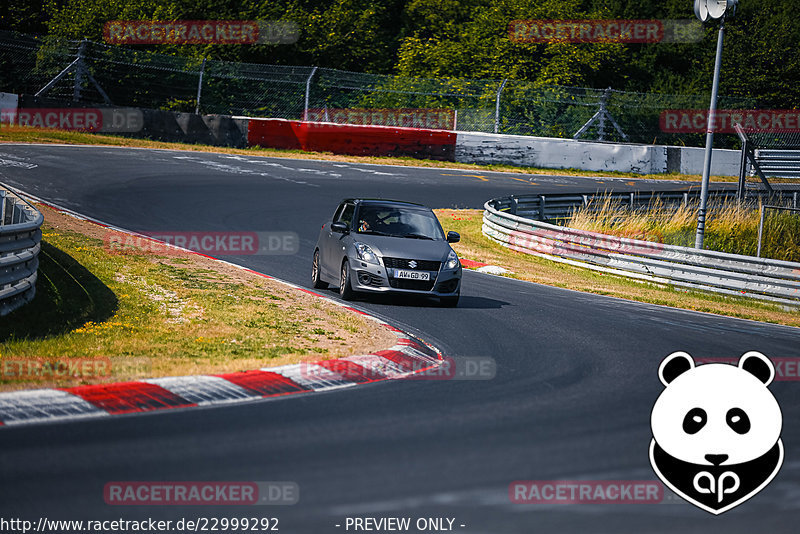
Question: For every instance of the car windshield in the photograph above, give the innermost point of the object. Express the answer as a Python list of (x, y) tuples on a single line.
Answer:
[(396, 221)]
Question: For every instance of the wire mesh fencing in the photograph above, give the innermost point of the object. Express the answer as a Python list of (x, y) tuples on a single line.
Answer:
[(86, 73)]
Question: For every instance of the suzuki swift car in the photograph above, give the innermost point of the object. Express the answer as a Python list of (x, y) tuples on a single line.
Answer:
[(383, 246)]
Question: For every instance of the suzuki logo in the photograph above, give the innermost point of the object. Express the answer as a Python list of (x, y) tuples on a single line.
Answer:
[(412, 264)]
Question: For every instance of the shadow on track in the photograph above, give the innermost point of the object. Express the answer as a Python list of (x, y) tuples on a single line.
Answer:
[(420, 301)]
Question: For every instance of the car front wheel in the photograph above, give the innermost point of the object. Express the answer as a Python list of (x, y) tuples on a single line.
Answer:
[(345, 289)]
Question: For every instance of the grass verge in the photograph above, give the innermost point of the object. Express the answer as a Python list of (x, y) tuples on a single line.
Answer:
[(24, 134), (475, 246), (148, 315)]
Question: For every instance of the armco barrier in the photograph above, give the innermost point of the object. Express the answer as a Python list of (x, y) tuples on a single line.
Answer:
[(20, 242), (352, 139), (559, 206), (728, 274)]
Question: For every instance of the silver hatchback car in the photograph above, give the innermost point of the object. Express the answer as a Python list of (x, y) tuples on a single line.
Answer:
[(382, 246)]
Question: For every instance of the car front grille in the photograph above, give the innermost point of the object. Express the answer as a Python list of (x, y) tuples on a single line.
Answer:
[(415, 285), (403, 263)]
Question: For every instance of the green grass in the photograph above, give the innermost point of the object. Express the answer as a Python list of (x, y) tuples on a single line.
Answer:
[(730, 226), (166, 315)]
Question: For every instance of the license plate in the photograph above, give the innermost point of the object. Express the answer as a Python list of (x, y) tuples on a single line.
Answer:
[(412, 275)]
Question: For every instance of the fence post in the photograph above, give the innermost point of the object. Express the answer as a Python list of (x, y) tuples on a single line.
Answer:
[(308, 93), (79, 71), (497, 106), (200, 87), (601, 126)]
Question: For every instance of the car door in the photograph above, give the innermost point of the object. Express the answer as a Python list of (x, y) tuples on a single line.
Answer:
[(331, 252), (339, 241)]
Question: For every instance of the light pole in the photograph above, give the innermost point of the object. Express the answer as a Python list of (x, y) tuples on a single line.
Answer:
[(706, 10)]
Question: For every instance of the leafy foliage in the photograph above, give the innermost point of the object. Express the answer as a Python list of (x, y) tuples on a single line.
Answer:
[(469, 39)]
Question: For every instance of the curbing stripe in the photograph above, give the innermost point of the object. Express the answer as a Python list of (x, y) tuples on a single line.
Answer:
[(43, 404), (379, 366), (127, 397), (312, 376), (204, 390), (407, 357), (351, 370), (263, 383)]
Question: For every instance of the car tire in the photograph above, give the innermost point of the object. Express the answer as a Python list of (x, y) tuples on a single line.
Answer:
[(316, 281), (345, 289), (450, 302)]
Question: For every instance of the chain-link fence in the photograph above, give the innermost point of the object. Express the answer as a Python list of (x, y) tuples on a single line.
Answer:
[(92, 73)]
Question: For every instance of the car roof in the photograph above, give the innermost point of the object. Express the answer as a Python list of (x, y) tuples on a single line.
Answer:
[(386, 202)]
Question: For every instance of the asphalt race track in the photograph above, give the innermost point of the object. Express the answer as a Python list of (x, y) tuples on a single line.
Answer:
[(576, 373)]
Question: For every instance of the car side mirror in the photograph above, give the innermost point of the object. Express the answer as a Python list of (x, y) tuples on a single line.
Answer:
[(453, 237), (340, 227)]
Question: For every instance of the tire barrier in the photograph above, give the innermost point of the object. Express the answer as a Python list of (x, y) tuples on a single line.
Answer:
[(20, 242)]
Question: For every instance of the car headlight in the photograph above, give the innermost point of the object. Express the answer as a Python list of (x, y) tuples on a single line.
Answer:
[(452, 261), (365, 253)]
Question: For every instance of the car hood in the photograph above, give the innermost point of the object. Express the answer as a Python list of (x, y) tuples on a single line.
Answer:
[(404, 247)]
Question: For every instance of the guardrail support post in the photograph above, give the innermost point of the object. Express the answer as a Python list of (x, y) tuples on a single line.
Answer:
[(2, 208), (514, 205), (541, 208)]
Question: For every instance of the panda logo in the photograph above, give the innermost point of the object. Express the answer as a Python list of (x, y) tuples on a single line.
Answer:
[(716, 430)]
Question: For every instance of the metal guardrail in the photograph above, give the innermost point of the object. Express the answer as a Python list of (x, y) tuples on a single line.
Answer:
[(560, 206), (781, 163), (717, 272), (20, 243)]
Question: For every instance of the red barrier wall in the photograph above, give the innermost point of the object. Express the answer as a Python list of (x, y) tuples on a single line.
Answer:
[(352, 139)]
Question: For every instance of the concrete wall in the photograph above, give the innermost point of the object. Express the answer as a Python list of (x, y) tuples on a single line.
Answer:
[(551, 153), (723, 162)]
